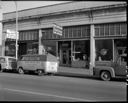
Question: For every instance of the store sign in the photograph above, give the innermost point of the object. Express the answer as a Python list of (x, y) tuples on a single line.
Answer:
[(57, 29), (11, 34)]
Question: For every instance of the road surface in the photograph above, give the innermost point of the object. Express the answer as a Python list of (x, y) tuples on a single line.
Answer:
[(16, 87)]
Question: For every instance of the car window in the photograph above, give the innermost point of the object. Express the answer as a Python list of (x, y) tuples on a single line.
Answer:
[(34, 58), (12, 60), (2, 59), (31, 58)]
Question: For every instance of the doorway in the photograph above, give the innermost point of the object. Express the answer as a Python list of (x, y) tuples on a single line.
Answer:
[(66, 57), (65, 53)]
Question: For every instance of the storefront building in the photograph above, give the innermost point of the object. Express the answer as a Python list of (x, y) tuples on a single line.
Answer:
[(107, 22)]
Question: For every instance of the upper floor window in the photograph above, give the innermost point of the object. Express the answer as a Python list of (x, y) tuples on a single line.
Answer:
[(113, 29)]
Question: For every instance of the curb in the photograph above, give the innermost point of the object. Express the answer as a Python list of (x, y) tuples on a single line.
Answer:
[(74, 75)]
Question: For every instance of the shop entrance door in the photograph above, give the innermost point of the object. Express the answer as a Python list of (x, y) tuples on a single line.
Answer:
[(66, 57)]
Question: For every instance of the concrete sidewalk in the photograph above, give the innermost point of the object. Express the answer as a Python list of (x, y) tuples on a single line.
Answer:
[(73, 71)]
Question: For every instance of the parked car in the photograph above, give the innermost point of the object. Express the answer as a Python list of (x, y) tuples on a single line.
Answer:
[(40, 64), (8, 63)]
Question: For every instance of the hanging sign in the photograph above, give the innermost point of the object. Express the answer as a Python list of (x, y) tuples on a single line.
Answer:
[(11, 34), (57, 29)]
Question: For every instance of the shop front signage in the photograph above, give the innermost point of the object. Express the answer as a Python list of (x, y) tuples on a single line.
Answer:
[(57, 29), (11, 34)]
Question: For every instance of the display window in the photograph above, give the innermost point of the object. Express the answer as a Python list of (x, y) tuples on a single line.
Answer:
[(81, 53), (32, 48), (50, 46), (81, 50), (120, 50), (104, 50), (10, 49)]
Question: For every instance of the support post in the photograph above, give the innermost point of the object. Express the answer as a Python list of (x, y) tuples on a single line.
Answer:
[(40, 44), (16, 31), (92, 49)]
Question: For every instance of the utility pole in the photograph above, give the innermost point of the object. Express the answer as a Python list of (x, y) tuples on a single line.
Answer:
[(1, 31), (16, 30)]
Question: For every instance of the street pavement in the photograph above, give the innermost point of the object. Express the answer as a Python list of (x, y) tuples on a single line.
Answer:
[(27, 87)]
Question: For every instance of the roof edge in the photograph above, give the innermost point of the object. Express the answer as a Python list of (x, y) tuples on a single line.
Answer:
[(70, 11)]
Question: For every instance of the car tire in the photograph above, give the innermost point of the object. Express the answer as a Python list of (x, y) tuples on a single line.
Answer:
[(39, 72), (105, 75), (20, 70)]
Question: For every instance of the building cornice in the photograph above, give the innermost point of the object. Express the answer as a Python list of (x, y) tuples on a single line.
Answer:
[(66, 12)]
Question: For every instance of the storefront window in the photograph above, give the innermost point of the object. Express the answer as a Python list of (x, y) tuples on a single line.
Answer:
[(120, 50), (112, 29), (32, 48), (81, 53), (81, 50), (50, 46), (10, 49), (103, 50)]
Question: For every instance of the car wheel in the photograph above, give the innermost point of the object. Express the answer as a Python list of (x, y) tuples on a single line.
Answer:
[(105, 75), (20, 71), (39, 72)]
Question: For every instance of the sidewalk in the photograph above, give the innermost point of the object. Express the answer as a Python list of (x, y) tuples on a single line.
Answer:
[(70, 71)]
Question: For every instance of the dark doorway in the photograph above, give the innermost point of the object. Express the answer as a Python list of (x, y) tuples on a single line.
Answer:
[(22, 49), (65, 53)]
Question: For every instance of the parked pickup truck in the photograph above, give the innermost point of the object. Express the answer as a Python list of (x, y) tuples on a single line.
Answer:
[(109, 69)]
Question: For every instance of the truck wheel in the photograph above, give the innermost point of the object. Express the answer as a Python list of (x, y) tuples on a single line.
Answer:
[(39, 72), (20, 71), (105, 75)]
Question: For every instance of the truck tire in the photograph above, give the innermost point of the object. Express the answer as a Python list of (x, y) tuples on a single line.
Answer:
[(105, 75), (20, 70)]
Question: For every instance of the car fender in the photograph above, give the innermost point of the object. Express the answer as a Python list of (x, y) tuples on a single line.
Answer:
[(98, 70)]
